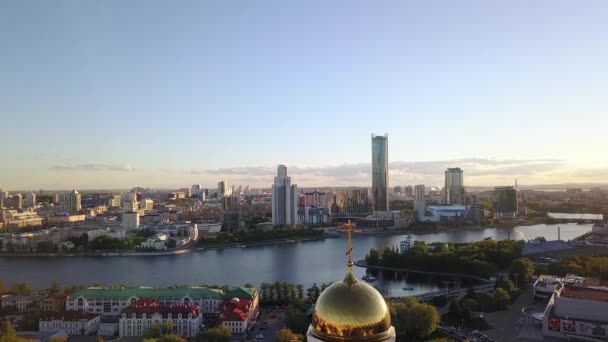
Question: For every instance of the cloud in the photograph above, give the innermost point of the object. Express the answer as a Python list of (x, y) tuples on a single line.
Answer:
[(428, 172), (93, 167)]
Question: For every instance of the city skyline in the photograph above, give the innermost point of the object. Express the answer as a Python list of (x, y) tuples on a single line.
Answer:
[(107, 95)]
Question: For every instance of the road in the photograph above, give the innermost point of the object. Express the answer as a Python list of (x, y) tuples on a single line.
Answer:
[(268, 324)]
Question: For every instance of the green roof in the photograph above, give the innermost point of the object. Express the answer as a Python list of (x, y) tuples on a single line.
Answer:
[(241, 292), (124, 293)]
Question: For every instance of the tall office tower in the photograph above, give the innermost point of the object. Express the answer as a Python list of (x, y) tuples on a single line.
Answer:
[(18, 201), (221, 189), (453, 192), (397, 191), (74, 201), (419, 201), (505, 202), (3, 198), (284, 199), (30, 199), (380, 172)]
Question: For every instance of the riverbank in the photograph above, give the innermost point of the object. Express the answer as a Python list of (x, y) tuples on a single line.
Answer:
[(193, 249), (361, 263)]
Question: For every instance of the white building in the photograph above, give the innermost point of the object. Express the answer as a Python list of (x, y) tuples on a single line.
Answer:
[(136, 318), (130, 220), (284, 199), (20, 302), (578, 313), (157, 241), (3, 197), (406, 244), (146, 205), (70, 322), (111, 301)]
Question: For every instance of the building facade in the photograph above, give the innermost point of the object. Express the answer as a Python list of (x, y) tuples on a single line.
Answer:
[(111, 301), (135, 319), (453, 191), (505, 203), (74, 200), (350, 203), (54, 303), (70, 322), (380, 172), (284, 199)]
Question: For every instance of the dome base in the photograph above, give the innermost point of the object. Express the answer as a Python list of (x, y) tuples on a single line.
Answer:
[(389, 337)]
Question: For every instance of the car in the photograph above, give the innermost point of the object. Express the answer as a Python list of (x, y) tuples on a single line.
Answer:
[(259, 336)]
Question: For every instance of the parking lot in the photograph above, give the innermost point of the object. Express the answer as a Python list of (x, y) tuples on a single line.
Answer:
[(267, 325)]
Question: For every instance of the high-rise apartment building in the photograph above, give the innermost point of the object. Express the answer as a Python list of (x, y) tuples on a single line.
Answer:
[(284, 199), (408, 192), (419, 201), (74, 201), (3, 198), (223, 189), (232, 212), (453, 191), (30, 199), (18, 201), (380, 172)]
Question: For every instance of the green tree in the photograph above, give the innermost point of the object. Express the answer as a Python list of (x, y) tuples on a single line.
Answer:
[(502, 298), (296, 320), (219, 334), (57, 339), (21, 289), (158, 329), (171, 243), (54, 289), (413, 319), (99, 338), (286, 335), (524, 269)]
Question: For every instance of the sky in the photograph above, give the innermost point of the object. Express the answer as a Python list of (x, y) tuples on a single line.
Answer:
[(107, 94)]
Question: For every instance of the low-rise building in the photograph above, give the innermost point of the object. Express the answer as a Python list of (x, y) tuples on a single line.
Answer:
[(111, 301), (54, 303), (135, 319), (15, 220), (70, 322), (20, 302), (65, 219), (578, 313), (234, 315), (157, 241)]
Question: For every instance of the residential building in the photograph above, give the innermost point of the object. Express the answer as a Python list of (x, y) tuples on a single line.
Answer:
[(420, 202), (223, 189), (146, 205), (30, 199), (408, 192), (20, 302), (129, 206), (380, 172), (15, 220), (140, 315), (53, 303), (231, 212), (73, 204), (475, 213), (196, 189), (65, 219), (111, 301), (71, 322), (238, 309), (284, 199), (114, 201), (350, 203), (505, 203), (17, 201), (3, 198), (130, 220), (453, 191)]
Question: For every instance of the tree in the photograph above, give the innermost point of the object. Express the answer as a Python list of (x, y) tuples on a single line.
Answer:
[(248, 285), (523, 269), (57, 339), (219, 334), (171, 243), (501, 297), (158, 329), (296, 320), (99, 338), (313, 292), (286, 335), (55, 288), (508, 286), (21, 289), (413, 319)]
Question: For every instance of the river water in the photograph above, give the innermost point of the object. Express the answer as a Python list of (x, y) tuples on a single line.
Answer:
[(305, 262)]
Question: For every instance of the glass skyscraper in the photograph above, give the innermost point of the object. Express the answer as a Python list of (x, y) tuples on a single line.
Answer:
[(380, 172)]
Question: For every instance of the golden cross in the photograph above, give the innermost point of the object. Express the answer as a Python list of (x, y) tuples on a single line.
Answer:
[(349, 229)]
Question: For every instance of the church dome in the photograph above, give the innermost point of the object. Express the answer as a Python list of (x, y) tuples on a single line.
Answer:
[(351, 310)]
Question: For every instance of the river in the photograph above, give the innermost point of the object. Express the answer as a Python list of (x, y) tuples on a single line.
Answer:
[(303, 262)]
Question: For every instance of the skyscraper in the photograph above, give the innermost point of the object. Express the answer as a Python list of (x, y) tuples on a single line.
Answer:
[(3, 197), (453, 191), (505, 202), (420, 201), (380, 172), (284, 199), (73, 203), (30, 199)]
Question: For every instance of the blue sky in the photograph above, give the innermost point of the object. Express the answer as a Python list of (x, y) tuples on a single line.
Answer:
[(98, 94)]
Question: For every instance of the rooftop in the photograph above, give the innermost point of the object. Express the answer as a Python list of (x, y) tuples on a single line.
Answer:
[(588, 293), (150, 307), (67, 316), (124, 293)]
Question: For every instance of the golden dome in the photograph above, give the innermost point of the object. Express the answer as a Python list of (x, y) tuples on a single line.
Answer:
[(350, 310)]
